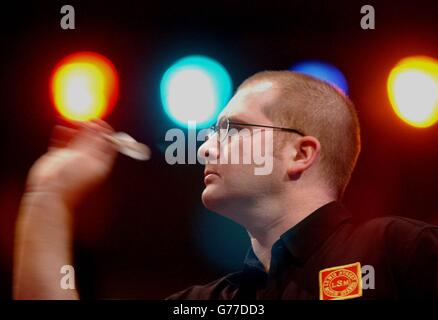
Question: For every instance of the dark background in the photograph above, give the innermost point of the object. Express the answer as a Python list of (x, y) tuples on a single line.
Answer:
[(145, 234)]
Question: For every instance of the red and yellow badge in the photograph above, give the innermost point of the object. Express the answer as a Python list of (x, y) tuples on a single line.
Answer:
[(342, 282)]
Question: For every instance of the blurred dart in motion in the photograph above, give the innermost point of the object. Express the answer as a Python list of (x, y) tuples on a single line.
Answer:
[(129, 147)]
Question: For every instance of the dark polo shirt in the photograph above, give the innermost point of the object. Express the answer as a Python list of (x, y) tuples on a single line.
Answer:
[(398, 259)]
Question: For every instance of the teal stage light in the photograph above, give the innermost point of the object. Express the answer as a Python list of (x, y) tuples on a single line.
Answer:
[(195, 88)]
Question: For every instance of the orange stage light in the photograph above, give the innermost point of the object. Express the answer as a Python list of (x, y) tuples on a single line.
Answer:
[(413, 90), (84, 86)]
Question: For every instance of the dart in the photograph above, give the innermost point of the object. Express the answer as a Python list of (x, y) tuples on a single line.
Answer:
[(128, 146)]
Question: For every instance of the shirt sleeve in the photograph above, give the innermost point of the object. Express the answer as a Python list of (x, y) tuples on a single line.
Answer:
[(191, 293), (220, 289), (421, 273)]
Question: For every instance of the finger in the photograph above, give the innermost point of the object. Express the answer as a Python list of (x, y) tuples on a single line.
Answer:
[(103, 128), (98, 125), (91, 139), (61, 136), (103, 124)]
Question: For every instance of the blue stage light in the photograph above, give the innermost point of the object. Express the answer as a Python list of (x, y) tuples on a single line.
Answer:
[(323, 71)]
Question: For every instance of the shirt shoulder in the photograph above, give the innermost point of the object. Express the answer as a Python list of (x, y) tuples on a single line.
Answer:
[(398, 229), (400, 235), (223, 288), (411, 247)]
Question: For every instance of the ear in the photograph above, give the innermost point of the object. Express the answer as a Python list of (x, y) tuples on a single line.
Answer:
[(307, 150)]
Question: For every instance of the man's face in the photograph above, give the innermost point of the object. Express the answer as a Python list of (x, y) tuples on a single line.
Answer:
[(229, 186)]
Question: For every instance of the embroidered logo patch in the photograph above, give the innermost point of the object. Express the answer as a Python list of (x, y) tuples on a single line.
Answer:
[(342, 282)]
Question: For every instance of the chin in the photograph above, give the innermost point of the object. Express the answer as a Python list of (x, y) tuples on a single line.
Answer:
[(216, 199), (219, 202), (211, 198)]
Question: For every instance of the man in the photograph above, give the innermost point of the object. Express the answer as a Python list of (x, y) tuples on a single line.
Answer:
[(304, 244)]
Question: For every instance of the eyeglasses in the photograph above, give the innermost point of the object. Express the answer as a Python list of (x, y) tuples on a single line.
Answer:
[(222, 128)]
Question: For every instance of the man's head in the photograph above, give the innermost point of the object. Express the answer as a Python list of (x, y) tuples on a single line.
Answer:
[(323, 159)]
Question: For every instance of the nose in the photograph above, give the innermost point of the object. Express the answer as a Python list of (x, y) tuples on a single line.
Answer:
[(209, 150)]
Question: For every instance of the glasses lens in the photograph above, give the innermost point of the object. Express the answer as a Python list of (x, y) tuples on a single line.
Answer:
[(222, 127), (211, 132)]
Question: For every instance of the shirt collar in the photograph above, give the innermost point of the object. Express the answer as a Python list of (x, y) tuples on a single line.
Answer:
[(306, 237)]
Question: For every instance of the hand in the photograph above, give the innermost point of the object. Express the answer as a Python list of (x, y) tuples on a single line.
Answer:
[(78, 160)]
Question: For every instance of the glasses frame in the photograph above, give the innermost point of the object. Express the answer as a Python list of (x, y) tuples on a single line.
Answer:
[(216, 128)]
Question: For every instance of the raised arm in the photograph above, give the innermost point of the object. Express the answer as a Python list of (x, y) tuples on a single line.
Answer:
[(78, 160)]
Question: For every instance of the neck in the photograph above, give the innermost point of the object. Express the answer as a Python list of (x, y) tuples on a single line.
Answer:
[(273, 218)]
